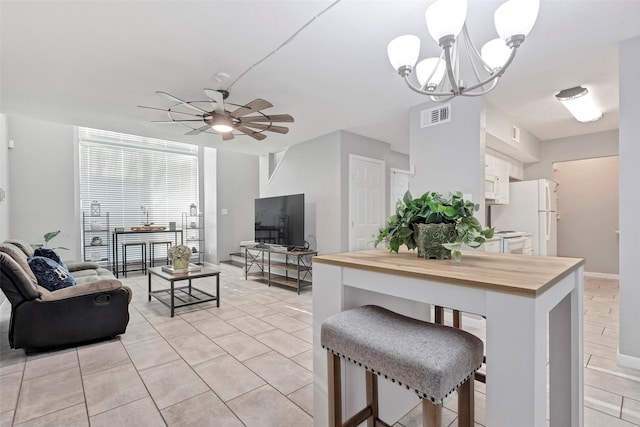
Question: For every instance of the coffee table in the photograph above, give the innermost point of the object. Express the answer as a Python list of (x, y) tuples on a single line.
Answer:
[(185, 295)]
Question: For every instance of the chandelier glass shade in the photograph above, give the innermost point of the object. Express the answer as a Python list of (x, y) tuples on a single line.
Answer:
[(439, 77)]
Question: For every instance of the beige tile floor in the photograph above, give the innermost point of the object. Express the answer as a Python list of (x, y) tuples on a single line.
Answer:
[(246, 363)]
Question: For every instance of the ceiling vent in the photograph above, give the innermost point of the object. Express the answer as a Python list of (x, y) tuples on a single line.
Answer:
[(515, 133), (435, 116)]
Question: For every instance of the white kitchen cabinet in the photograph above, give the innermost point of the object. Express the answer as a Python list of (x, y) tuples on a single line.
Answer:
[(493, 245), (515, 169), (496, 179)]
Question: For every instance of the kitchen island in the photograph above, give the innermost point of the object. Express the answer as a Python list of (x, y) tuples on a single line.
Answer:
[(532, 305)]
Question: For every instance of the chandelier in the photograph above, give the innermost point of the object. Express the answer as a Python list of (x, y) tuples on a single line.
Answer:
[(446, 24)]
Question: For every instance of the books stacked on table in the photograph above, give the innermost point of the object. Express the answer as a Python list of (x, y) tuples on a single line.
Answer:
[(191, 269)]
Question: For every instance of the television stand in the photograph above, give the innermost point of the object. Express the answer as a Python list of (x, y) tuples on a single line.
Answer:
[(277, 265)]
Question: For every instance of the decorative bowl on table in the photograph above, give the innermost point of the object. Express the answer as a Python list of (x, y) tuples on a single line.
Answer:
[(148, 228)]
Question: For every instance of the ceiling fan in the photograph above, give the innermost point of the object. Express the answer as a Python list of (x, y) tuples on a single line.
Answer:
[(213, 117)]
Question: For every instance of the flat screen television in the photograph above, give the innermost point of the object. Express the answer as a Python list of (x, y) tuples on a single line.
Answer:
[(280, 220)]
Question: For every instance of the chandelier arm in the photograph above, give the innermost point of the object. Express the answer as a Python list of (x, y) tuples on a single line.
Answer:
[(497, 74), (452, 78), (471, 44), (424, 92), (471, 50), (494, 83)]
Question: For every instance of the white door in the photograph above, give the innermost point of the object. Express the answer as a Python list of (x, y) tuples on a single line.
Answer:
[(398, 185), (366, 201)]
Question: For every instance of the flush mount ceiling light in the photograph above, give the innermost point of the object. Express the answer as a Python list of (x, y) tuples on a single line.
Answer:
[(580, 104), (446, 22)]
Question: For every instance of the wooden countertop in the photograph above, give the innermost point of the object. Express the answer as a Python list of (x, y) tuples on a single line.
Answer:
[(520, 274)]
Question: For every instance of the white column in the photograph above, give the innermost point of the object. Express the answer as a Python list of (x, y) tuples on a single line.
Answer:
[(629, 346)]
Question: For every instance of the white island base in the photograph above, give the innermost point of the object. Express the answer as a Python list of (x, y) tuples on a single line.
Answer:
[(527, 301)]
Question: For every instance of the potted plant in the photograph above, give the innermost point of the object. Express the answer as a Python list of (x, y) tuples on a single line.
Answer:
[(179, 256), (448, 224)]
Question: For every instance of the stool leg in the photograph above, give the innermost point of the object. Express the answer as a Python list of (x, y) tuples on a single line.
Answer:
[(124, 261), (457, 319), (431, 414), (372, 398), (335, 390), (466, 404)]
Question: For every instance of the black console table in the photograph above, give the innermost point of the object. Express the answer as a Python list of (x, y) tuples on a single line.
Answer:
[(123, 233), (288, 268)]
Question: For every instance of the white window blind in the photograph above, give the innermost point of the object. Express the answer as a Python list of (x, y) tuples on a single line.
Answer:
[(125, 172)]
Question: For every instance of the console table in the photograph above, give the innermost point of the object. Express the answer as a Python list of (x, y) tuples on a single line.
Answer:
[(288, 268), (532, 304), (114, 242)]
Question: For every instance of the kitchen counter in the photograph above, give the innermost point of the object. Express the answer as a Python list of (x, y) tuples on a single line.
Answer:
[(517, 294)]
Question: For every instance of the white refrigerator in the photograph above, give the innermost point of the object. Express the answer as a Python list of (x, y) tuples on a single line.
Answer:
[(531, 208)]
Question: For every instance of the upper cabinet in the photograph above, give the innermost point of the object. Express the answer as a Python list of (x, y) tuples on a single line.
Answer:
[(496, 179), (499, 170)]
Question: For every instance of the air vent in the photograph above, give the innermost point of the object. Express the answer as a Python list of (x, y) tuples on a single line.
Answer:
[(515, 133), (435, 116)]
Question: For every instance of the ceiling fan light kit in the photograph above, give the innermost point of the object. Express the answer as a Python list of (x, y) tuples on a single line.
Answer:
[(445, 20), (580, 104)]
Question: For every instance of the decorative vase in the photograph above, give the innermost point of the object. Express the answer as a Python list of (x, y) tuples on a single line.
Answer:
[(95, 208), (180, 263), (430, 238), (193, 210)]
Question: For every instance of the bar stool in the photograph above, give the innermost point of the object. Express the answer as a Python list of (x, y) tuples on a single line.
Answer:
[(433, 360), (457, 323), (143, 256), (152, 257)]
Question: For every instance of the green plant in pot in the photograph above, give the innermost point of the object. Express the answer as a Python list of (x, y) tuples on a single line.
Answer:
[(436, 225)]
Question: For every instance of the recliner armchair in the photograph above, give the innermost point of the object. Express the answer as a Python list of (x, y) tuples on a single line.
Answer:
[(96, 308)]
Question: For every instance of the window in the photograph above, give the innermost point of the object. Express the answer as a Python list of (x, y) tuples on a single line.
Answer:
[(127, 173)]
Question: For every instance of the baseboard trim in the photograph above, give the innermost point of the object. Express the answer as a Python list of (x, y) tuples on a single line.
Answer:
[(628, 361), (601, 275)]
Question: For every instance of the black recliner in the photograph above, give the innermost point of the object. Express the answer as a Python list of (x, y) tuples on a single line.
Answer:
[(96, 308)]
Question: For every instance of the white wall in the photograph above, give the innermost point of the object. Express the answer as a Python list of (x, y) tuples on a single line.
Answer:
[(42, 183), (588, 208), (499, 137), (399, 161), (599, 144), (449, 156), (351, 143), (4, 179), (320, 169), (629, 57), (238, 186), (312, 168)]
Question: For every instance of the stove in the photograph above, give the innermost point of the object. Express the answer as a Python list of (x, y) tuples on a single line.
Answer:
[(506, 234)]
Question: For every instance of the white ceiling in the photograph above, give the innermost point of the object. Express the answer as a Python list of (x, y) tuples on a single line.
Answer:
[(91, 63)]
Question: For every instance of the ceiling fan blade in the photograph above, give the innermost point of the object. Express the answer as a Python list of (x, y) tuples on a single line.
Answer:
[(174, 121), (185, 103), (281, 118), (255, 105), (169, 111), (227, 136), (272, 128), (216, 97), (199, 130), (252, 133)]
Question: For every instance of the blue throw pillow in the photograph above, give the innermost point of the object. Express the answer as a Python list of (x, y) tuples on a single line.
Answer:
[(51, 254), (50, 274)]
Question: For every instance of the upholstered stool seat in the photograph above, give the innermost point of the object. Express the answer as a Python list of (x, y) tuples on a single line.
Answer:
[(143, 257), (433, 360)]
